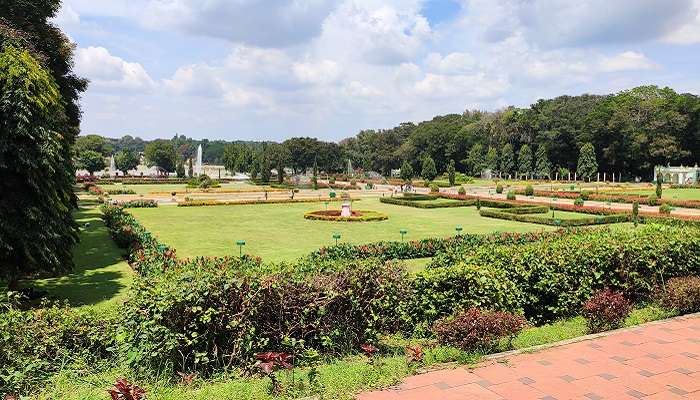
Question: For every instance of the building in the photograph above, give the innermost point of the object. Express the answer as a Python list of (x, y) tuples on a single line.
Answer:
[(678, 175)]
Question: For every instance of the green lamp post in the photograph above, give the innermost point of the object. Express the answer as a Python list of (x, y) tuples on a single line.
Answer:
[(336, 236), (403, 232), (458, 229), (240, 244)]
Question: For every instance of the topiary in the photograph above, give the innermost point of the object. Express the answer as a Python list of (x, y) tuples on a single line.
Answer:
[(606, 310), (510, 196), (529, 191), (499, 188), (462, 191), (652, 200), (578, 202)]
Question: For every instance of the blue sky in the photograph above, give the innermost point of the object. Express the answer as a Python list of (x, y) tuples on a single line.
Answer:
[(272, 69)]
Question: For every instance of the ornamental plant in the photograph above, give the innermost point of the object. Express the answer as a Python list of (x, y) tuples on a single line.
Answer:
[(529, 191), (434, 188), (652, 199), (635, 213), (462, 191), (123, 390), (270, 361), (474, 329), (499, 188), (578, 202), (682, 294), (606, 310), (510, 195), (665, 209)]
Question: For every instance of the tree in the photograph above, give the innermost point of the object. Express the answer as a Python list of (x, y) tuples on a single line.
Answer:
[(38, 232), (91, 161), (190, 169), (406, 171), (451, 172), (428, 172), (492, 159), (475, 160), (279, 157), (659, 188), (94, 143), (543, 168), (126, 160), (180, 169), (525, 161), (587, 163), (507, 164), (161, 153)]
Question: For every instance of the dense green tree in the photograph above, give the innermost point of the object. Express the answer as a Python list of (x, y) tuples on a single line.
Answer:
[(428, 171), (587, 163), (161, 153), (475, 160), (37, 232), (507, 162), (491, 161), (279, 159), (302, 152), (180, 169), (126, 160), (190, 169), (525, 161), (94, 143), (91, 161), (543, 168), (406, 171), (451, 172)]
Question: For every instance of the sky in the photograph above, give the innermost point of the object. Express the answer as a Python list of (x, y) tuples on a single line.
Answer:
[(274, 69)]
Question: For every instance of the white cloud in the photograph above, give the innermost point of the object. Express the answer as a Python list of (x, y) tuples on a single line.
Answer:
[(106, 71), (67, 16), (688, 33), (451, 64), (627, 61), (325, 71), (197, 80)]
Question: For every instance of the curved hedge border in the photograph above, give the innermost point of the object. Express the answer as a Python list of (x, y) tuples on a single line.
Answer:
[(365, 216), (425, 203)]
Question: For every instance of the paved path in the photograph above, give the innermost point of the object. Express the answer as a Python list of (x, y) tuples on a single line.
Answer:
[(655, 361)]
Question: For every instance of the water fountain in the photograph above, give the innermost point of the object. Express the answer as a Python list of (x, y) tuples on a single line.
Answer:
[(198, 165)]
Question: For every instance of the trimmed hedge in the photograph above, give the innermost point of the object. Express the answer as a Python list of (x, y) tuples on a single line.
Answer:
[(426, 203), (651, 200), (523, 216), (203, 203), (365, 216), (139, 203)]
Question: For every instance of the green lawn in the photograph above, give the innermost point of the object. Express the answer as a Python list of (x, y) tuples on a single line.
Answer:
[(279, 231), (167, 187), (101, 275)]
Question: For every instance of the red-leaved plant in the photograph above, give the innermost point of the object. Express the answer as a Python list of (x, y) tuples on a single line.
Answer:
[(123, 390), (475, 329), (606, 310), (269, 361), (414, 354), (187, 379)]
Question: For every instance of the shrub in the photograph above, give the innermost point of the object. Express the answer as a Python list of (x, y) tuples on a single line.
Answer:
[(578, 202), (665, 209), (420, 203), (140, 203), (510, 195), (682, 294), (474, 330), (434, 188), (119, 191), (529, 191), (606, 310), (461, 191), (362, 216), (353, 182), (499, 188), (635, 212), (331, 180), (652, 199)]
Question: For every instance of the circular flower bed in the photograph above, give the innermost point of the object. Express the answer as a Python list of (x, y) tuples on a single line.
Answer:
[(357, 216)]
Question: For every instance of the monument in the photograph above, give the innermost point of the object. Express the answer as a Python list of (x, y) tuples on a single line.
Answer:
[(678, 175)]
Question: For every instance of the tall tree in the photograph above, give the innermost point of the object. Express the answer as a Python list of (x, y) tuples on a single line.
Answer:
[(91, 161), (543, 168), (587, 163), (406, 171), (507, 163), (451, 172), (37, 232), (161, 153), (428, 172), (126, 160), (94, 143), (525, 160), (475, 160), (491, 161)]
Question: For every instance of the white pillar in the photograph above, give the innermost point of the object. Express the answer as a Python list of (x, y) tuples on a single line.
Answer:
[(575, 176), (597, 179), (604, 176)]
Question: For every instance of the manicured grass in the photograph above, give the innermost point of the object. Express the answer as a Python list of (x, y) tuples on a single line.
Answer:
[(340, 379), (101, 275), (280, 232)]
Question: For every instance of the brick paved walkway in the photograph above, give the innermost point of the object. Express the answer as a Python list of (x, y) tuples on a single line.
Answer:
[(654, 361)]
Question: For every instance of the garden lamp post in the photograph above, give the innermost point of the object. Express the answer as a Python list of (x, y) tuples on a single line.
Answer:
[(552, 206), (403, 232), (459, 230), (336, 236), (240, 244)]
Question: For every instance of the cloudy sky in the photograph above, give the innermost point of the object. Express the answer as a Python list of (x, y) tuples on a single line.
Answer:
[(272, 69)]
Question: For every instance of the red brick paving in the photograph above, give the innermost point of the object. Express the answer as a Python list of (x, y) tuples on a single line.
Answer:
[(654, 361)]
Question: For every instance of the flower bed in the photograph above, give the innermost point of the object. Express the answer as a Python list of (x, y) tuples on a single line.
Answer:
[(357, 216), (425, 202), (202, 203), (526, 216), (139, 203), (614, 198)]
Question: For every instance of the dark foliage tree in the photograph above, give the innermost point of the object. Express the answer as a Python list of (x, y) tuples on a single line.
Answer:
[(587, 164), (451, 174), (406, 171), (428, 171), (543, 168), (126, 160), (161, 153), (91, 161), (525, 161), (507, 162), (94, 143)]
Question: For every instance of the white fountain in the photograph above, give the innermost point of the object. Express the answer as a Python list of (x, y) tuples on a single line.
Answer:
[(198, 165), (112, 166)]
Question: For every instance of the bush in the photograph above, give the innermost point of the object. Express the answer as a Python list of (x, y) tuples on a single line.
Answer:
[(652, 199), (434, 188), (682, 294), (119, 191), (529, 191), (353, 182), (140, 203), (510, 195), (203, 182), (606, 310), (499, 188), (461, 191), (665, 209), (37, 343), (362, 216), (578, 202), (474, 330), (420, 203)]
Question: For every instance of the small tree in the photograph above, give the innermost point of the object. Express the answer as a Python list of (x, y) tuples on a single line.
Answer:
[(492, 159), (587, 163), (543, 168), (659, 189), (406, 171), (180, 170), (126, 160), (190, 169), (507, 163), (525, 160), (91, 161), (475, 160), (429, 171), (451, 172), (635, 212)]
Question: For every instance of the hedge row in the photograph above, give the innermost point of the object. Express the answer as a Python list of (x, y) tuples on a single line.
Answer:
[(421, 203), (363, 216), (614, 198), (138, 203), (202, 203), (523, 215)]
